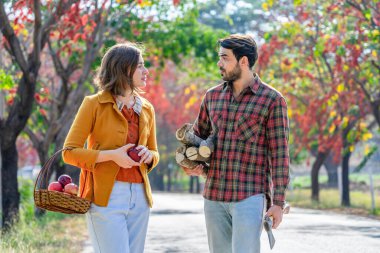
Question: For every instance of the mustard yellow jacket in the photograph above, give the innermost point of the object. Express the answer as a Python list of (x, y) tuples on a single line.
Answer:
[(99, 125)]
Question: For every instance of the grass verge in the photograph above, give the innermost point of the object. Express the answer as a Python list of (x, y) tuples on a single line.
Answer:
[(329, 199), (54, 232)]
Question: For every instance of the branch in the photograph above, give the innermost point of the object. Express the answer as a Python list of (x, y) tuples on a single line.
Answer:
[(37, 32), (62, 6), (375, 65), (33, 138), (328, 66), (58, 64), (361, 84), (11, 37), (305, 103)]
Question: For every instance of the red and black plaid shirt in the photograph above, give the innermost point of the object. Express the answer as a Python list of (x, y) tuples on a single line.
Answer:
[(251, 146)]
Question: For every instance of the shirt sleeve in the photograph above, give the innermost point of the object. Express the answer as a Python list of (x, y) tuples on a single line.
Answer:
[(202, 125), (278, 138)]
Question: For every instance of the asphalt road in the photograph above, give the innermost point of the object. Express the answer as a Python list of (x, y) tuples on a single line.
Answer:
[(177, 225)]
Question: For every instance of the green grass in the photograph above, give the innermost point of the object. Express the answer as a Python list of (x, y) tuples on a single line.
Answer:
[(330, 199), (54, 232), (305, 181)]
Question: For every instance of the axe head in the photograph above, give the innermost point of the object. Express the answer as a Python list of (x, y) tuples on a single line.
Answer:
[(268, 228)]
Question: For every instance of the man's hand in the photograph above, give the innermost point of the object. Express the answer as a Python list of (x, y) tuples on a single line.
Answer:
[(197, 171), (276, 212)]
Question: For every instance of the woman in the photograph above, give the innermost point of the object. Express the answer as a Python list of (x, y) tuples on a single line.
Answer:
[(106, 126)]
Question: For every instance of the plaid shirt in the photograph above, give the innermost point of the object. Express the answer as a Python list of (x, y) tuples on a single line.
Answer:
[(251, 153)]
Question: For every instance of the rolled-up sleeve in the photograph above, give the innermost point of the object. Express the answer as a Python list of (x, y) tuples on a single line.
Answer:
[(76, 154), (278, 138)]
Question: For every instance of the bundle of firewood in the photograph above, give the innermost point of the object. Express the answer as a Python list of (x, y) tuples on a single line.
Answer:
[(194, 150)]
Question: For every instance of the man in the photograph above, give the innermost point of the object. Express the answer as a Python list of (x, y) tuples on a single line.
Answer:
[(251, 157)]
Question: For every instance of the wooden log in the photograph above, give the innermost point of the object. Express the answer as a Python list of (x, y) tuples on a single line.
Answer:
[(183, 161), (192, 153), (186, 135), (206, 147)]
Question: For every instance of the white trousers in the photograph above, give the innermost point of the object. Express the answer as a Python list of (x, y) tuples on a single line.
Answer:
[(120, 227)]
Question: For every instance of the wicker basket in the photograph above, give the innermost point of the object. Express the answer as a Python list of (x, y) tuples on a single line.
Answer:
[(57, 201)]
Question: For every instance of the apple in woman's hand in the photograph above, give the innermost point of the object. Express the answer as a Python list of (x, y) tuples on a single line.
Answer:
[(133, 153)]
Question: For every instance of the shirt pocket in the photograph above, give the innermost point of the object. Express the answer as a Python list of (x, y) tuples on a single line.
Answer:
[(247, 128)]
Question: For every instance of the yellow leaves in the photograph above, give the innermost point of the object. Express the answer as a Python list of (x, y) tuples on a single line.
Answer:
[(346, 67), (332, 129), (344, 122), (286, 65), (265, 6), (332, 114), (375, 33), (335, 97), (351, 148), (271, 74), (144, 3), (192, 87), (367, 150), (340, 88), (374, 53), (24, 32), (290, 112), (297, 2), (191, 102), (367, 136)]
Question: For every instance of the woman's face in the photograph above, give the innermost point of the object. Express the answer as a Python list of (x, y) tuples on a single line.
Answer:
[(141, 74)]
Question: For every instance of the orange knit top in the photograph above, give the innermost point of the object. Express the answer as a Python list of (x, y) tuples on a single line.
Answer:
[(131, 175)]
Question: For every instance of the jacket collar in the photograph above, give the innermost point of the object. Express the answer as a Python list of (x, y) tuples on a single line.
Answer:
[(106, 97)]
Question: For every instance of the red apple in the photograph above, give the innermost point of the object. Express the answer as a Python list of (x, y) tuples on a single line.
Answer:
[(55, 186), (134, 154), (64, 180), (71, 188)]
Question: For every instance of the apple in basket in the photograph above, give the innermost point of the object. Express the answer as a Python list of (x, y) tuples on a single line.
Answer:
[(71, 188), (55, 186), (64, 180), (134, 154)]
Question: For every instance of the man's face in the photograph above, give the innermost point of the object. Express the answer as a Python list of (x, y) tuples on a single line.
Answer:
[(229, 67)]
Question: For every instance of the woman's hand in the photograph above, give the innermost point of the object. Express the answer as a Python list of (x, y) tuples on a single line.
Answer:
[(145, 154), (121, 157)]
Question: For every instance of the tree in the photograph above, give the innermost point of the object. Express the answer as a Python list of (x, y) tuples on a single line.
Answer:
[(316, 56), (28, 67)]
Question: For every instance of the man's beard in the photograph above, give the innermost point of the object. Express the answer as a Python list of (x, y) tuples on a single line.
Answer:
[(233, 75)]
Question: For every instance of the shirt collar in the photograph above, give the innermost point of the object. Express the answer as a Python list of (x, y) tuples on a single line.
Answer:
[(254, 85), (137, 107)]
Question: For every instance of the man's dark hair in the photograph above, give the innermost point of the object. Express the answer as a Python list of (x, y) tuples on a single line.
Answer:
[(241, 45)]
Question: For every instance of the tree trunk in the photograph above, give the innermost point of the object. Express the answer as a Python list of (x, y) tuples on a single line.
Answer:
[(321, 156), (332, 170), (345, 179), (11, 196)]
